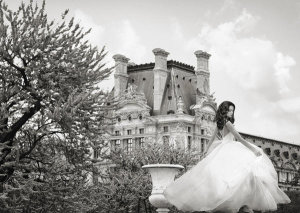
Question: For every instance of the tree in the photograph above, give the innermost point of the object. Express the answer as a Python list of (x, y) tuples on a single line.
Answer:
[(125, 186), (51, 111)]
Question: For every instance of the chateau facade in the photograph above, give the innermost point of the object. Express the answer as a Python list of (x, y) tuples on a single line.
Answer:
[(170, 102)]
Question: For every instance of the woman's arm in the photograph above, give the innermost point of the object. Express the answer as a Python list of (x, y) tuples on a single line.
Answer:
[(240, 138)]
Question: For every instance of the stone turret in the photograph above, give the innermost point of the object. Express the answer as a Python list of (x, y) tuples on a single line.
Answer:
[(121, 76), (160, 77), (202, 73)]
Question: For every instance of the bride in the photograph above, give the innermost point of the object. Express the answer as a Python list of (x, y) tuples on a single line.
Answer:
[(233, 174)]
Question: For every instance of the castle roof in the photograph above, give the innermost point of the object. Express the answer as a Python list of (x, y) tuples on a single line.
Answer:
[(269, 139), (181, 81), (170, 63)]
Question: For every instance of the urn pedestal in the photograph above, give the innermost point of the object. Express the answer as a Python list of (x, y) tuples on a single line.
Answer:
[(162, 175)]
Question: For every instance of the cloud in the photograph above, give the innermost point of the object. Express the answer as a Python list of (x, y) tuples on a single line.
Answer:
[(282, 67), (95, 37), (227, 5), (291, 105), (253, 73), (123, 39), (129, 42), (253, 63), (120, 38), (177, 33), (96, 34)]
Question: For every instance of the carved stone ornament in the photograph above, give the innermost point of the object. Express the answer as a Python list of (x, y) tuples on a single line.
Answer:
[(132, 96), (134, 115), (202, 54), (180, 127), (120, 58), (180, 105), (210, 131), (204, 100)]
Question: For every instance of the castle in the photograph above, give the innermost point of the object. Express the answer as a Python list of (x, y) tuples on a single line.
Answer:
[(170, 102)]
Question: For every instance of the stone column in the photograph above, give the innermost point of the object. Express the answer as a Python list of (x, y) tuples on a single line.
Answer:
[(160, 77), (202, 73), (121, 75)]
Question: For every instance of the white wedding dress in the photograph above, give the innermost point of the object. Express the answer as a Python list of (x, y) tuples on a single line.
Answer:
[(229, 177)]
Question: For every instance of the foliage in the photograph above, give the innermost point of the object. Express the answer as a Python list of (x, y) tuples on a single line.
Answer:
[(293, 207), (51, 110), (125, 186)]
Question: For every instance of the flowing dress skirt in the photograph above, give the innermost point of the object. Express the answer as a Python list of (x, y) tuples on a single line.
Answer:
[(229, 177)]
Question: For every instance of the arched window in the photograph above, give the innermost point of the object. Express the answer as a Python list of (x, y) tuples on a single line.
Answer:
[(171, 112), (277, 152), (267, 151), (286, 154), (295, 155)]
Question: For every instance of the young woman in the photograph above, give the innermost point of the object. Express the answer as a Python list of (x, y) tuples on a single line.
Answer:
[(234, 174)]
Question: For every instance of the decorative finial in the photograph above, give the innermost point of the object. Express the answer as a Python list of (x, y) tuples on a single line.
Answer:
[(202, 54), (159, 51), (180, 105), (120, 58)]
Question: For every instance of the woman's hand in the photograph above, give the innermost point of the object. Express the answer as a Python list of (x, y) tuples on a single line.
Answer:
[(257, 152)]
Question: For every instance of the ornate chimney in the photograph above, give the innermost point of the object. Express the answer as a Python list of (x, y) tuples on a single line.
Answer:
[(160, 77), (202, 72), (121, 75)]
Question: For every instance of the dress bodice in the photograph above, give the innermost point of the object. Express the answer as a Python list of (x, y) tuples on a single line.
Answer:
[(228, 136)]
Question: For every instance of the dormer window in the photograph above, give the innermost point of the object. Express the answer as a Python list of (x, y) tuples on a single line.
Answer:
[(202, 131), (129, 118), (119, 119), (286, 154), (140, 117), (277, 152), (267, 151), (166, 129), (295, 155)]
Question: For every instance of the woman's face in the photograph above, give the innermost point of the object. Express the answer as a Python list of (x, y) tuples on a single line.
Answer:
[(230, 111)]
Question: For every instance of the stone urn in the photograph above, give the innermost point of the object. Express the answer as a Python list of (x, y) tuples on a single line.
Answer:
[(162, 175)]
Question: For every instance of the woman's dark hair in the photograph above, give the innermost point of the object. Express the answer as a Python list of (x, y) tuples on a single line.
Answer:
[(221, 115)]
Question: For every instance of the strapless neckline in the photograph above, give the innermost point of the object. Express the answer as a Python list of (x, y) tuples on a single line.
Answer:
[(226, 134)]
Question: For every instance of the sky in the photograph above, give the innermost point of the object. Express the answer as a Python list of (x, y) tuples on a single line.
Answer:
[(254, 45)]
